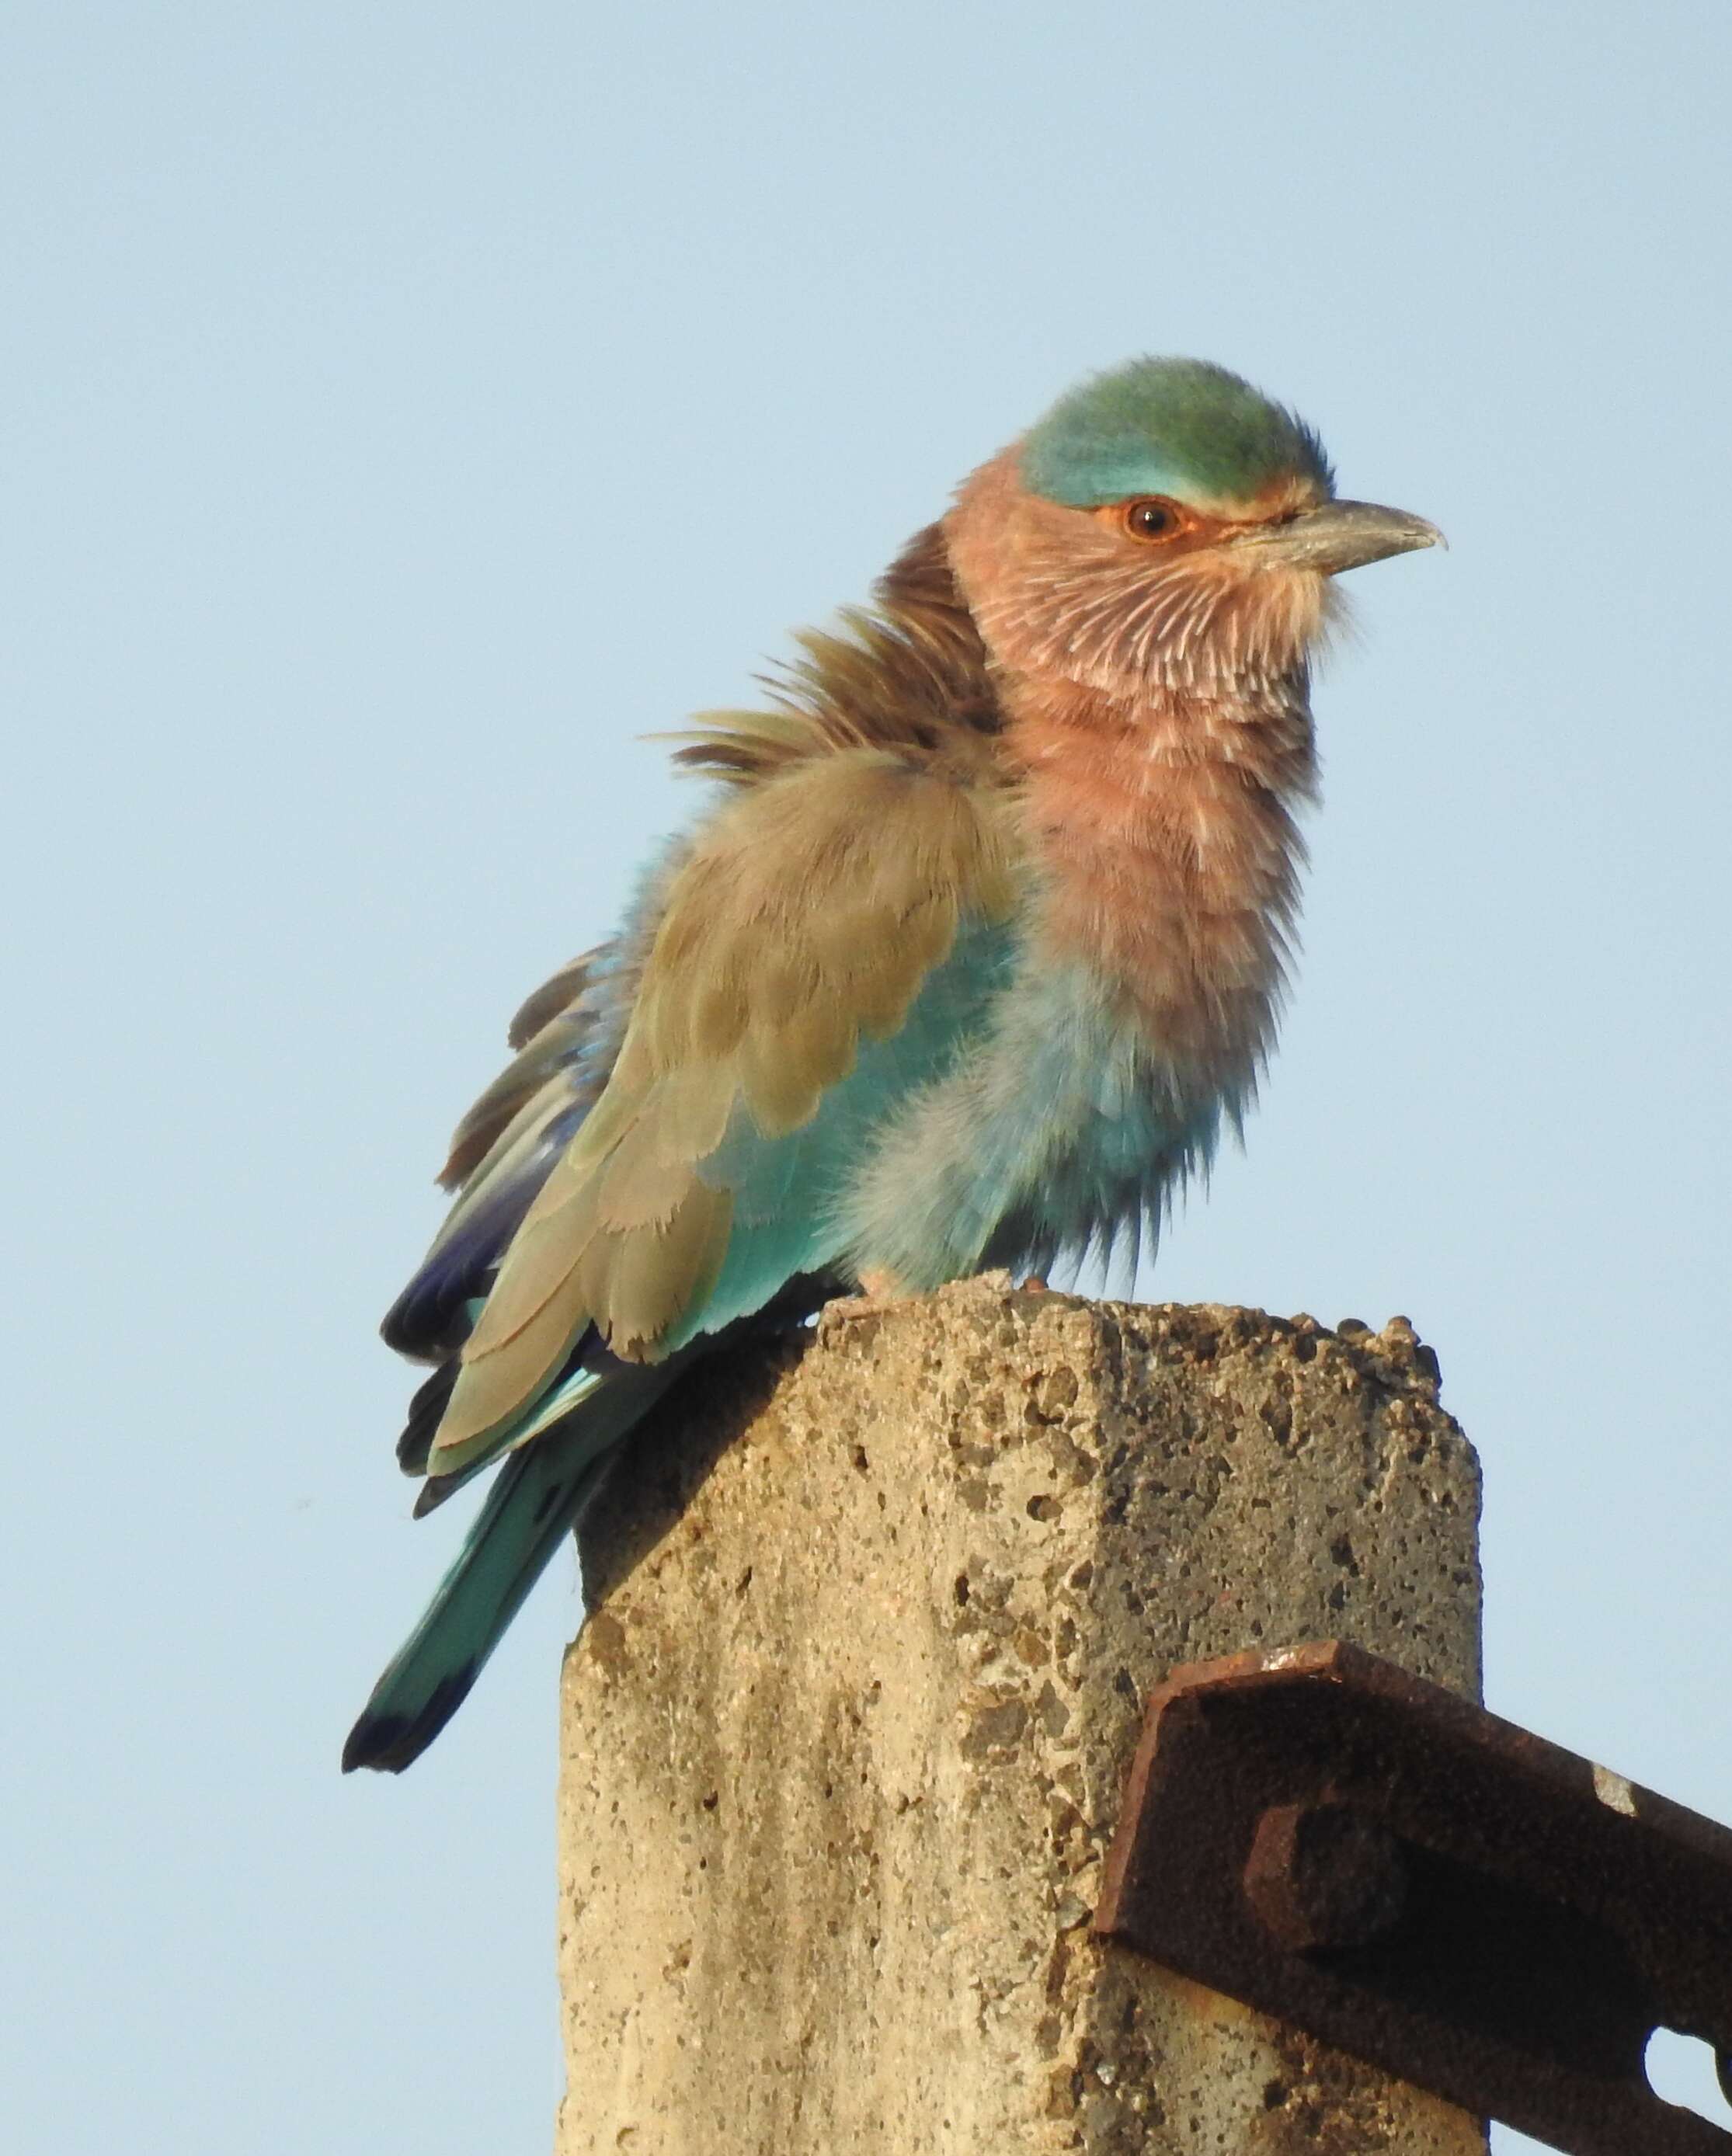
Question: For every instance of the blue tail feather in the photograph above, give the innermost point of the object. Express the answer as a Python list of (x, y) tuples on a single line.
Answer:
[(536, 1499)]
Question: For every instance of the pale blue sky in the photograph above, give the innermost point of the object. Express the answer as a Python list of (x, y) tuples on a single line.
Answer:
[(406, 408)]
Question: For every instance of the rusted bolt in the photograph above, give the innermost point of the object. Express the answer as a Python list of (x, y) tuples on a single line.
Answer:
[(1324, 1875)]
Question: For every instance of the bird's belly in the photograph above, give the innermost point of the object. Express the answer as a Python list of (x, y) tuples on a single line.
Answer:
[(1063, 1130)]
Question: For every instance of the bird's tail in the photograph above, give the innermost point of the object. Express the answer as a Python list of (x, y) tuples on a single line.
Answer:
[(538, 1498)]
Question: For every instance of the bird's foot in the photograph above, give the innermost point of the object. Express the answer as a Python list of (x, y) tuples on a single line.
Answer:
[(878, 1291)]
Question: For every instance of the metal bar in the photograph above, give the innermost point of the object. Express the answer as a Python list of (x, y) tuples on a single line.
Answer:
[(1395, 1872)]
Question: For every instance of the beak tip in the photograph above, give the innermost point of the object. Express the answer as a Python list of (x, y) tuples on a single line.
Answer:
[(1366, 531), (1336, 536)]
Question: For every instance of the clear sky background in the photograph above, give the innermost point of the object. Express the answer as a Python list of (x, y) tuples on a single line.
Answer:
[(405, 409)]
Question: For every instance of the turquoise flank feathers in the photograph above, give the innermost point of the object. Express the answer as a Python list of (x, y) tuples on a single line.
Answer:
[(790, 1192), (1175, 427), (1056, 1134)]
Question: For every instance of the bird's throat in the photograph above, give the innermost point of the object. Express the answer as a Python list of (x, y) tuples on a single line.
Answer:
[(1160, 753), (1168, 856)]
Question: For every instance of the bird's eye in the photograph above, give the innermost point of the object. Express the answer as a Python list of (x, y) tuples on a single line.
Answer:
[(1151, 519)]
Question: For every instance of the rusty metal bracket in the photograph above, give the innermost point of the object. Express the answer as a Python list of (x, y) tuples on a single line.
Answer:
[(1397, 1873)]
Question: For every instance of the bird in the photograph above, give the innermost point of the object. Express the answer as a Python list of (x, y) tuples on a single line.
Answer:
[(974, 954)]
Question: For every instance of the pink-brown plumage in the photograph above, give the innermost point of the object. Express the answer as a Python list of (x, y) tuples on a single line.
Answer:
[(1158, 798)]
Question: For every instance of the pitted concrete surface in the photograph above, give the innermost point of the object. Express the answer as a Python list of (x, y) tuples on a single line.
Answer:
[(874, 1614)]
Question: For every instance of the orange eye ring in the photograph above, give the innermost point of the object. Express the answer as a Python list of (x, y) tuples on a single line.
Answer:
[(1152, 518)]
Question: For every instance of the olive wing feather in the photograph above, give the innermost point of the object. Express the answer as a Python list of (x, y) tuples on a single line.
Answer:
[(800, 926)]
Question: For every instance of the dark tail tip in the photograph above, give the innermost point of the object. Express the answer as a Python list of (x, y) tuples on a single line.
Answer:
[(389, 1742), (434, 1492), (426, 1409)]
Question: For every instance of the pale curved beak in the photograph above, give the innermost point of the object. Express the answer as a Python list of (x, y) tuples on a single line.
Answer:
[(1340, 535)]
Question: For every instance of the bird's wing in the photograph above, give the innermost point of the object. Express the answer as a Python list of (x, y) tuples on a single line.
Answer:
[(548, 1032), (567, 1035), (823, 947), (501, 1153)]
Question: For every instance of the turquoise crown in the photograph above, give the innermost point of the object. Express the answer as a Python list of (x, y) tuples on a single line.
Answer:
[(1180, 427)]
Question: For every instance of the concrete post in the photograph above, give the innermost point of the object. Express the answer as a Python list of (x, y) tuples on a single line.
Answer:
[(845, 1735)]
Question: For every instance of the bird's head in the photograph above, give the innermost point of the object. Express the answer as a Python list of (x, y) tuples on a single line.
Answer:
[(1164, 524)]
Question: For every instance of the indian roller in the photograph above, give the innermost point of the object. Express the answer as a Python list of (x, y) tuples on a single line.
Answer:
[(975, 952)]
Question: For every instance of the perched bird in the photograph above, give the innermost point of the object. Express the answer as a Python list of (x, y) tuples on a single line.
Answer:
[(976, 951)]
